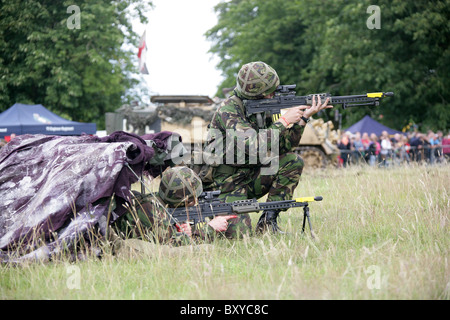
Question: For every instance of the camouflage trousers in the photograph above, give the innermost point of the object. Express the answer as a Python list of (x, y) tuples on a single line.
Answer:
[(248, 183)]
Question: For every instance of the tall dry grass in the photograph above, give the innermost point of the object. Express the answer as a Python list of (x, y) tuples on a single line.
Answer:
[(380, 234)]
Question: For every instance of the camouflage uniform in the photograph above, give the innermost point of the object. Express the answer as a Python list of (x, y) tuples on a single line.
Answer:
[(147, 217), (245, 180)]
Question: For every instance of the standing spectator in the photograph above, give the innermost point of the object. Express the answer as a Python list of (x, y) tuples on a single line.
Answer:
[(386, 148), (374, 149), (404, 149), (430, 147), (417, 142), (436, 144), (446, 146), (10, 137), (397, 143), (439, 153), (365, 140), (358, 148), (345, 146)]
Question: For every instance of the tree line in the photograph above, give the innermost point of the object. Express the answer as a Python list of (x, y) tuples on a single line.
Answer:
[(340, 46), (346, 47), (72, 57)]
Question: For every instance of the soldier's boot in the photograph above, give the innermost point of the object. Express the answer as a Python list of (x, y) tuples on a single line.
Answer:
[(268, 221)]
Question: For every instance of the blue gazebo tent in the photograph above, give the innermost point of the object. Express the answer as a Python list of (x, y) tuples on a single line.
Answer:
[(35, 119), (367, 124)]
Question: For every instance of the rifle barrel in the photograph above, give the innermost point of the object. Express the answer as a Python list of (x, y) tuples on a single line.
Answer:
[(289, 100), (218, 208)]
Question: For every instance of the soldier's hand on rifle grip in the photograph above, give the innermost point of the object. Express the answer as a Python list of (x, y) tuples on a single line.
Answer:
[(186, 228), (294, 114), (220, 223)]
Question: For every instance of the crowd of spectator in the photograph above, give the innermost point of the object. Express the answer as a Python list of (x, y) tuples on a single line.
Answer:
[(385, 150)]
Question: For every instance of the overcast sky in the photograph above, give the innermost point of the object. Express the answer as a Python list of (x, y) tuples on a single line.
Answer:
[(178, 61)]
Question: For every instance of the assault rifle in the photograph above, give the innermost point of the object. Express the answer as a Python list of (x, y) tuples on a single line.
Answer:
[(210, 206), (285, 98)]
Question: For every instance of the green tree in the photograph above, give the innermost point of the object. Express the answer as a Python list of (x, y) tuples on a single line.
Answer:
[(266, 30), (326, 46), (79, 72)]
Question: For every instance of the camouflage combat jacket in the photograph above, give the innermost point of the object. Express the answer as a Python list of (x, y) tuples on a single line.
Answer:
[(234, 137)]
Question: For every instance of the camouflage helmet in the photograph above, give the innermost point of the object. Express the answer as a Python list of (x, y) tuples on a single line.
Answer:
[(256, 79), (179, 184)]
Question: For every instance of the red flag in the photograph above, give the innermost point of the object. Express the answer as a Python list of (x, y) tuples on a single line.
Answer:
[(142, 54)]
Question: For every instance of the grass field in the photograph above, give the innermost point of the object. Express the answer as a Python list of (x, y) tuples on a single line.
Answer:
[(380, 234)]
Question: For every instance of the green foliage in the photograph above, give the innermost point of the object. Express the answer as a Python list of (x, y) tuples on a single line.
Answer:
[(77, 73), (326, 46)]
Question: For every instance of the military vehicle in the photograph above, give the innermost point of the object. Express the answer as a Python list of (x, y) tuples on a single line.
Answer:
[(318, 146), (190, 115), (134, 119), (187, 115)]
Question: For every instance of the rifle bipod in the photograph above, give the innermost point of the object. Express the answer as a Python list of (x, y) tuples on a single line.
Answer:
[(305, 217)]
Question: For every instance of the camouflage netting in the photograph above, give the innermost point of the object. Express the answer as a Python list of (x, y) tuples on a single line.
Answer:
[(184, 115), (138, 117)]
